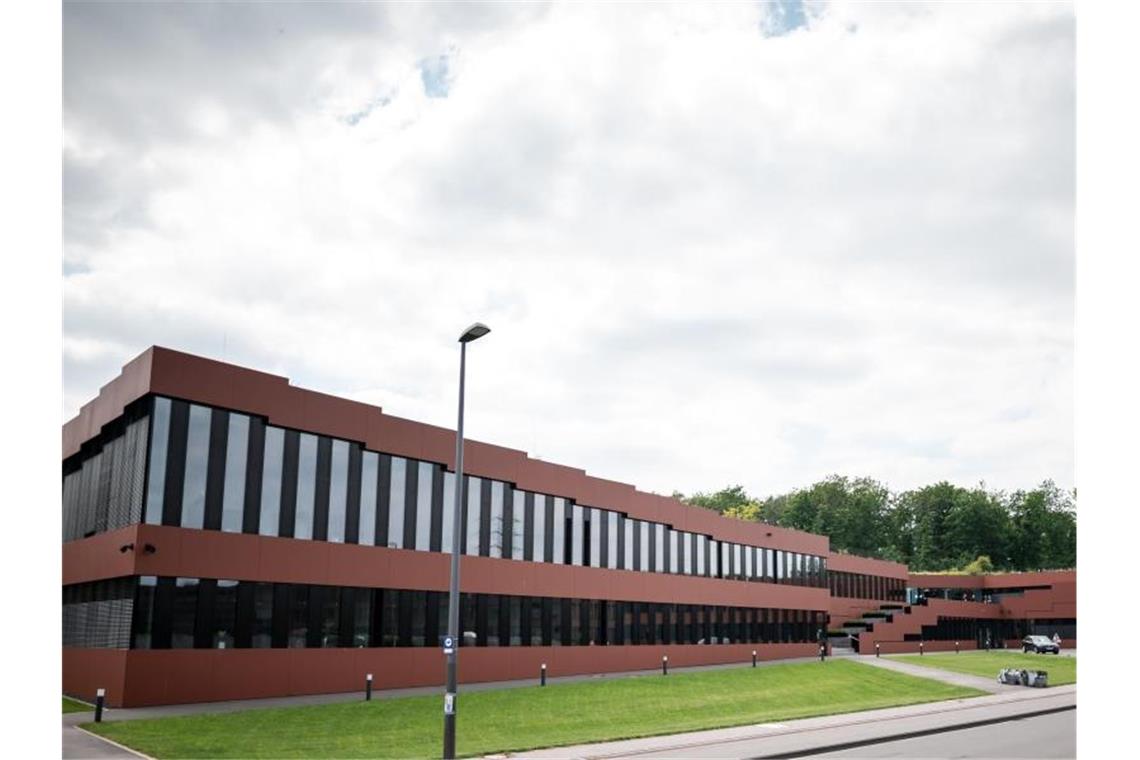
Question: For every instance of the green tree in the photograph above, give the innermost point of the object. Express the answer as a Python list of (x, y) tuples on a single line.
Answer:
[(719, 501), (977, 524), (937, 527), (930, 508)]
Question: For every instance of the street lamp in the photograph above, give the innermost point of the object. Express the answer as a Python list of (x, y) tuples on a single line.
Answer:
[(474, 332)]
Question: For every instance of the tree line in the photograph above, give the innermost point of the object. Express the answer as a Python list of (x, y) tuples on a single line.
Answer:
[(937, 528)]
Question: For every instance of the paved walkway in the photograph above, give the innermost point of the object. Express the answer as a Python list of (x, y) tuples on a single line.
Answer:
[(78, 743), (946, 676), (818, 734)]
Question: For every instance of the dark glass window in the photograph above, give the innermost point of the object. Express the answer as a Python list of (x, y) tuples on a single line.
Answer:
[(225, 608), (261, 627), (418, 609), (515, 605), (330, 617), (492, 617), (143, 612), (362, 617), (389, 632), (535, 620), (183, 613), (298, 616)]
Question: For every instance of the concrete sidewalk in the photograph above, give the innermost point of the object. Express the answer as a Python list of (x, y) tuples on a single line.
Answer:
[(820, 734), (79, 744), (946, 676)]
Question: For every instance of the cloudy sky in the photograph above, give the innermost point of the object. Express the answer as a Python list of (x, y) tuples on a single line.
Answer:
[(750, 243)]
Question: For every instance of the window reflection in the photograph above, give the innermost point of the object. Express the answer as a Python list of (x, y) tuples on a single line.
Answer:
[(338, 491), (474, 513), (184, 609), (423, 506), (261, 629), (559, 531), (159, 441), (612, 540), (627, 541), (225, 612), (369, 468), (396, 503), (270, 516), (233, 496), (539, 528), (518, 520), (497, 519), (197, 455), (448, 532), (306, 486)]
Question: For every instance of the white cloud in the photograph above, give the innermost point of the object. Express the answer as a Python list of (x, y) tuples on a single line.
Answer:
[(708, 256)]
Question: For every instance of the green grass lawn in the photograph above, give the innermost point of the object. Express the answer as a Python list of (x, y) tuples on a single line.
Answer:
[(531, 717), (1061, 670), (70, 705)]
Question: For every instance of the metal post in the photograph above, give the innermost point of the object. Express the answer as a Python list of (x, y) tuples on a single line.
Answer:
[(876, 649), (753, 658), (368, 688), (665, 665), (542, 676), (449, 700), (100, 694)]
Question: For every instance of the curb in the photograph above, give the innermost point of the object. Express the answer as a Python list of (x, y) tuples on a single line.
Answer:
[(856, 719), (839, 746), (123, 747)]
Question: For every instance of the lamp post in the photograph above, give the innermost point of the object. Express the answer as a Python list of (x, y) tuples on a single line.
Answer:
[(475, 331)]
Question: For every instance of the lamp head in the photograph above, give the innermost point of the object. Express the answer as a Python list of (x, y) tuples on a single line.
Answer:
[(474, 332)]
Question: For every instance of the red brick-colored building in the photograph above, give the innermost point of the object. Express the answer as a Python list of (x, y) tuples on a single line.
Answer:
[(228, 535)]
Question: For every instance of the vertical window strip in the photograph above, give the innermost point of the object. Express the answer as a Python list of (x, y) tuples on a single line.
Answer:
[(306, 486), (474, 513), (194, 480), (396, 492), (518, 524), (338, 491), (233, 493), (447, 535), (272, 469), (423, 506), (156, 477), (497, 526)]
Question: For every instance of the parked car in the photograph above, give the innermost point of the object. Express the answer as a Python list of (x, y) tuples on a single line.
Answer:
[(1040, 645)]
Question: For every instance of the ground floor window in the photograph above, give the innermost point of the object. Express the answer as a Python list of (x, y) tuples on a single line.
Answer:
[(204, 613)]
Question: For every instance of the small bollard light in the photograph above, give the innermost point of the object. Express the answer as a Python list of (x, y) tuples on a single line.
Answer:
[(921, 650), (100, 694), (665, 665), (753, 658), (876, 649), (542, 677), (368, 688), (822, 651), (955, 647)]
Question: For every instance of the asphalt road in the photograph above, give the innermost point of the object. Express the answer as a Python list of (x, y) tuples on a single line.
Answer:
[(1045, 736)]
